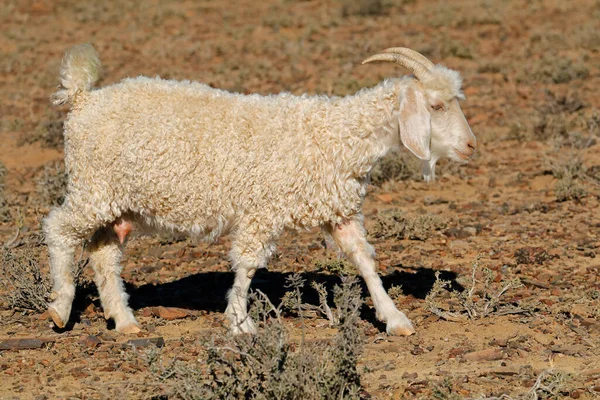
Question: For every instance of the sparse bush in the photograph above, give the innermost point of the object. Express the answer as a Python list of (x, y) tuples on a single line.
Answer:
[(553, 70), (49, 131), (444, 390), (23, 284), (52, 184), (449, 47), (549, 385), (554, 116), (292, 300), (567, 187), (396, 166), (490, 68), (362, 8), (394, 224), (338, 266), (268, 366), (4, 209), (481, 299)]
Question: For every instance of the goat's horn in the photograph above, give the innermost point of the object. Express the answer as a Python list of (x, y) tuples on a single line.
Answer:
[(415, 55), (419, 70)]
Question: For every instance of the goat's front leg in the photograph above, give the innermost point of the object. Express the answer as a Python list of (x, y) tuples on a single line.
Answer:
[(350, 236)]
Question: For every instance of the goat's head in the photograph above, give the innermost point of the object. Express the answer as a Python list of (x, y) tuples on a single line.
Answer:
[(430, 120)]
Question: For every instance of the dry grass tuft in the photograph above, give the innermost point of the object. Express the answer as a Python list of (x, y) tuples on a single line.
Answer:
[(482, 298), (396, 166), (52, 184), (48, 132), (550, 69), (268, 365), (394, 224), (4, 209), (444, 390), (362, 8), (568, 174), (338, 266), (21, 280)]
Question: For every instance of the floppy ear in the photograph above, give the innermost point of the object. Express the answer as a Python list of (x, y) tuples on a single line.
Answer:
[(415, 123)]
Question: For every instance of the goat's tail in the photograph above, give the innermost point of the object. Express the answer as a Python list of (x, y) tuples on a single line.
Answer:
[(78, 72)]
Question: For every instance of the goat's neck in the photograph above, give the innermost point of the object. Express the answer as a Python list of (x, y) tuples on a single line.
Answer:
[(370, 127)]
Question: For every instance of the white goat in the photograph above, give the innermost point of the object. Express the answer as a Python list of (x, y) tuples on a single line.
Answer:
[(183, 156)]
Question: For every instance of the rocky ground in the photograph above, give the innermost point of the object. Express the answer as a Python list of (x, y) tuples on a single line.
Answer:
[(522, 217)]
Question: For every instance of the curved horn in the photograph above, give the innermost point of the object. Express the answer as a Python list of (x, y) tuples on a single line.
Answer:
[(419, 70), (415, 55)]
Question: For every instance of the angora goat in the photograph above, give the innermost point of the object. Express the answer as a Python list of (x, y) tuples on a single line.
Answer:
[(182, 156)]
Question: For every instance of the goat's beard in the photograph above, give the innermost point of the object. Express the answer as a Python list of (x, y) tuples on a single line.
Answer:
[(428, 168)]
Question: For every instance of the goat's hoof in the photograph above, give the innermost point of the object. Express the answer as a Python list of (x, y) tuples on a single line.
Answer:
[(58, 321), (400, 327), (129, 329), (246, 327), (401, 331)]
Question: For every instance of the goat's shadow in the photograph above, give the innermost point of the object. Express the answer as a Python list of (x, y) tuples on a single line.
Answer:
[(207, 290)]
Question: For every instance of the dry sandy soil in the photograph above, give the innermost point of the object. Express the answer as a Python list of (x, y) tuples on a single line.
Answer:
[(526, 206)]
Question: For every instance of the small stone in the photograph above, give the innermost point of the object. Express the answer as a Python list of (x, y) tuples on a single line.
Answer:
[(457, 351), (485, 355), (531, 255), (21, 344), (385, 197), (79, 372), (168, 313), (145, 342), (410, 376), (90, 341)]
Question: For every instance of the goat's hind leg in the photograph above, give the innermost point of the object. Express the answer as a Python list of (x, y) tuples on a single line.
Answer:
[(105, 257), (64, 230), (251, 249), (351, 238)]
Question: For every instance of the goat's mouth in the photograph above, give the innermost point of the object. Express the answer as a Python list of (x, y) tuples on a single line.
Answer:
[(461, 155)]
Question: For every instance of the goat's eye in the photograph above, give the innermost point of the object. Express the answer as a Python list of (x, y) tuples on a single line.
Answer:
[(437, 107)]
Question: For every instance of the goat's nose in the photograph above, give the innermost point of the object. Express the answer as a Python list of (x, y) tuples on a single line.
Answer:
[(471, 144)]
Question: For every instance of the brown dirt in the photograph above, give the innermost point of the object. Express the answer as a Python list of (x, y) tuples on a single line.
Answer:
[(531, 77)]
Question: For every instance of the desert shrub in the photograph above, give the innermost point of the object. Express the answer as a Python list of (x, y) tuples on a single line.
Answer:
[(2, 176), (48, 132), (568, 173), (393, 224), (396, 166), (22, 284), (338, 266), (268, 366), (52, 184), (481, 298), (551, 69), (449, 47), (550, 385), (4, 209), (362, 7), (553, 119), (444, 390)]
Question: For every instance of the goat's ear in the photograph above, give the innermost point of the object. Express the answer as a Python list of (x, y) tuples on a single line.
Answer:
[(415, 123)]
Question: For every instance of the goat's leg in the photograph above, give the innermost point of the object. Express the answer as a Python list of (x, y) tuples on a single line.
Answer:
[(64, 229), (250, 250), (105, 257), (350, 236)]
